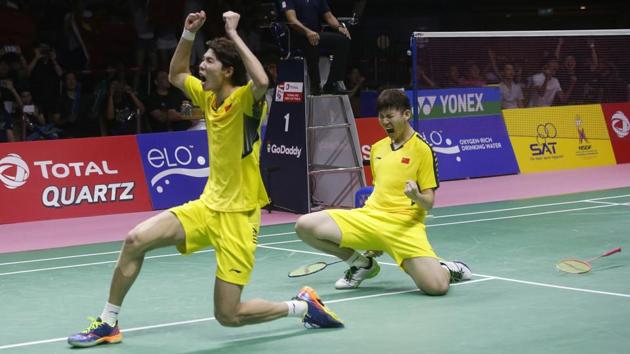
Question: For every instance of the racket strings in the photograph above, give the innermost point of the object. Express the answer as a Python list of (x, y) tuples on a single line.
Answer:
[(575, 266)]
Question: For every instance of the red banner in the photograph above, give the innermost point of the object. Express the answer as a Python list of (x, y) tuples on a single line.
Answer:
[(618, 122), (369, 132), (71, 178)]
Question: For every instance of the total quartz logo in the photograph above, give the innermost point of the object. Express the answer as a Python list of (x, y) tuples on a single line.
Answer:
[(65, 183)]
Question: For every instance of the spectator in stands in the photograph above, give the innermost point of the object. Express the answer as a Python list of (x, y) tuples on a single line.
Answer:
[(613, 86), (6, 126), (422, 79), (124, 110), (305, 19), (511, 93), (569, 74), (593, 86), (9, 97), (72, 110), (45, 72), (355, 85), (9, 101), (164, 105), (34, 122), (145, 49), (544, 87), (453, 78), (473, 76)]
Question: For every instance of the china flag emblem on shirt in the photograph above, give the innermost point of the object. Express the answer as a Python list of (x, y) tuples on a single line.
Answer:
[(405, 160)]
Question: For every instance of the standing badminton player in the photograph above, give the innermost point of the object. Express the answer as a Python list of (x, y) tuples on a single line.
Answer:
[(227, 214), (404, 170)]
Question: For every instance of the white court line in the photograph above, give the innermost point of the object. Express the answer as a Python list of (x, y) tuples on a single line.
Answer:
[(480, 275), (527, 207), (179, 323), (63, 339), (598, 202), (105, 253), (107, 262), (430, 225), (557, 286), (519, 216)]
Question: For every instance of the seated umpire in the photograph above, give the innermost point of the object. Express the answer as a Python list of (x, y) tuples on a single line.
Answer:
[(305, 20)]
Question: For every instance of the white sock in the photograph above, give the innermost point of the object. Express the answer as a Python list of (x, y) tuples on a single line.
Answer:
[(358, 260), (110, 314), (297, 308)]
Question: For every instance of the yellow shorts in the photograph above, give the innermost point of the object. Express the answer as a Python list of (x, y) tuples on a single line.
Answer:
[(400, 236), (233, 235)]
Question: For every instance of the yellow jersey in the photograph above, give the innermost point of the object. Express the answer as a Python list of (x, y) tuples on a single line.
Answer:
[(233, 129), (392, 168)]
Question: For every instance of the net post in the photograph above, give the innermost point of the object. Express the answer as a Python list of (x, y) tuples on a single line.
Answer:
[(414, 57)]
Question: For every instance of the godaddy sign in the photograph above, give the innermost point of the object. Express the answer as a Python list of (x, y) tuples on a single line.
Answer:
[(458, 102)]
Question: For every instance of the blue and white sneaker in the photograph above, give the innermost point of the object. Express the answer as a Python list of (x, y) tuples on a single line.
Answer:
[(317, 315), (98, 332)]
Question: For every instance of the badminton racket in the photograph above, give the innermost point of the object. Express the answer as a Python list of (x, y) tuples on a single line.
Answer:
[(578, 266), (319, 266)]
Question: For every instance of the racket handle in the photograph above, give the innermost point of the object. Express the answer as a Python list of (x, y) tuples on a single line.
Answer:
[(613, 251)]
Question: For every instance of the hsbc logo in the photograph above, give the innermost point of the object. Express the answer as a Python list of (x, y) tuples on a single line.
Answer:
[(13, 171)]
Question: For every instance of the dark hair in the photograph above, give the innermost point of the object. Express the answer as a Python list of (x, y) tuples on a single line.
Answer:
[(392, 98), (225, 51)]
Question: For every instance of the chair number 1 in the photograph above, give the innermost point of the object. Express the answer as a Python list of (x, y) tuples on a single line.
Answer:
[(286, 122)]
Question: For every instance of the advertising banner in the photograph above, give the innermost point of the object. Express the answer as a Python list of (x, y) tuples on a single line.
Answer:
[(283, 157), (556, 138), (458, 102), (444, 103), (369, 132), (617, 117), (175, 166), (70, 178), (465, 147)]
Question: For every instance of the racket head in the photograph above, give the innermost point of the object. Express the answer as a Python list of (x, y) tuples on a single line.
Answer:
[(307, 269), (574, 266)]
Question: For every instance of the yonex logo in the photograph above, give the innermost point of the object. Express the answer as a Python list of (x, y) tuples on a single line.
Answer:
[(620, 124), (19, 175), (452, 103), (426, 104)]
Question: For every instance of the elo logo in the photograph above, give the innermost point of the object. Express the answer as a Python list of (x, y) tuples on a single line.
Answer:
[(176, 162), (19, 177)]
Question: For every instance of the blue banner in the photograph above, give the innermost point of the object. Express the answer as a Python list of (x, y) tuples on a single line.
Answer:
[(175, 166), (470, 147)]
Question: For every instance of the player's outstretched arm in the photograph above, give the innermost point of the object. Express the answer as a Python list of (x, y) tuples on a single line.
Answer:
[(179, 67), (252, 64)]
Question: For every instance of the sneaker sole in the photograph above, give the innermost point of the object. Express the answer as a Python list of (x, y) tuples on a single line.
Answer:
[(103, 340), (317, 301), (370, 276)]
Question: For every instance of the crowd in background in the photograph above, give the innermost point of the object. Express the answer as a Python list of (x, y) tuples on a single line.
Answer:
[(96, 68)]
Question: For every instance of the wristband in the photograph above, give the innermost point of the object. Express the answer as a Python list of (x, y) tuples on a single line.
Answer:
[(187, 35)]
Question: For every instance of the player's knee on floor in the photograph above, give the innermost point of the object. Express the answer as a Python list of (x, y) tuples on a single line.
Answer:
[(434, 288)]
